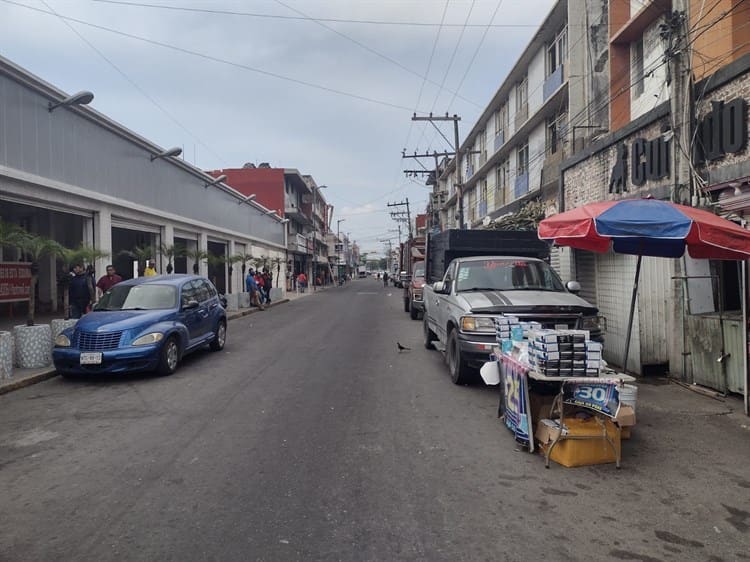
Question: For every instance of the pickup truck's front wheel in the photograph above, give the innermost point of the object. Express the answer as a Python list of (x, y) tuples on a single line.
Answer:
[(429, 335), (456, 366)]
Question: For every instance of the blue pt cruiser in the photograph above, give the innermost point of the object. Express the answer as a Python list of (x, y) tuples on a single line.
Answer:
[(144, 324)]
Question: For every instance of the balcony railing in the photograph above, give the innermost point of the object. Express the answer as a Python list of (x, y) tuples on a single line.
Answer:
[(553, 82), (521, 186), (522, 115), (499, 140)]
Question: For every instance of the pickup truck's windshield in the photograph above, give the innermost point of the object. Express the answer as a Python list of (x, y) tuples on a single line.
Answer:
[(507, 275)]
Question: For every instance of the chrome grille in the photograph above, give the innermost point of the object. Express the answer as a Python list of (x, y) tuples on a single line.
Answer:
[(93, 341)]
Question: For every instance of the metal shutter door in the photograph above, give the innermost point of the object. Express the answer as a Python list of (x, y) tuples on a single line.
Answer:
[(586, 275)]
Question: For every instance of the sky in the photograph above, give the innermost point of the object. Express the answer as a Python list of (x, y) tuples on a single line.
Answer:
[(328, 87)]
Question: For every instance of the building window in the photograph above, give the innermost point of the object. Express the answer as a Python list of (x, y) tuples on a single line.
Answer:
[(555, 133), (482, 147), (523, 159), (636, 64), (502, 172), (557, 52), (501, 119), (522, 95)]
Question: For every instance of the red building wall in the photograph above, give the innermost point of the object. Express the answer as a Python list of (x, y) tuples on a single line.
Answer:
[(266, 183)]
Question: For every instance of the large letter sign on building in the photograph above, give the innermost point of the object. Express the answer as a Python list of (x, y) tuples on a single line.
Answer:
[(723, 131)]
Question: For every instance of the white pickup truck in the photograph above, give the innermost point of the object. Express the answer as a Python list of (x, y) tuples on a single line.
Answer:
[(459, 310)]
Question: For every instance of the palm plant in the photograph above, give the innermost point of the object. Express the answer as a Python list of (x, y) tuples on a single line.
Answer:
[(10, 235), (277, 261), (140, 253), (231, 260), (244, 259), (170, 252), (197, 255), (35, 247)]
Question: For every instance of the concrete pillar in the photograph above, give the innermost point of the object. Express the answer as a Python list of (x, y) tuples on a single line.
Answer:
[(203, 245), (102, 238), (236, 271), (167, 239)]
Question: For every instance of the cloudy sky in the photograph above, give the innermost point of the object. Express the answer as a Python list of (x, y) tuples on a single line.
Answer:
[(324, 86)]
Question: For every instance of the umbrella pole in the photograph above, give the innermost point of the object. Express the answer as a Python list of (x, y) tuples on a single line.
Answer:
[(632, 313)]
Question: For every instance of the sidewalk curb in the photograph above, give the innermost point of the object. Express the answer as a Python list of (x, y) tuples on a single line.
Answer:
[(28, 381), (50, 372)]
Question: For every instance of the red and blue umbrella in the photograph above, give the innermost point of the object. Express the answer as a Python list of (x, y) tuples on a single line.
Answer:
[(648, 227)]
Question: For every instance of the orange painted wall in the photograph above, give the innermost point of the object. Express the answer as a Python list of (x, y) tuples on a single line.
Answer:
[(266, 183), (721, 34)]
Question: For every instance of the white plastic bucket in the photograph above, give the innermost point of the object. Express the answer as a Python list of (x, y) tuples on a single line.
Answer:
[(628, 395)]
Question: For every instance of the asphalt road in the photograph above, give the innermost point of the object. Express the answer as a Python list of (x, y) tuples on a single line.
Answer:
[(310, 437)]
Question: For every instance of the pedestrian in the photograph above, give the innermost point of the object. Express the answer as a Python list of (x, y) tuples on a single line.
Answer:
[(385, 279), (302, 281), (252, 287), (79, 292), (106, 282), (150, 270)]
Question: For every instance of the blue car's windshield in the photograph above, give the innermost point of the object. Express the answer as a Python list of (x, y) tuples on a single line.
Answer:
[(138, 297)]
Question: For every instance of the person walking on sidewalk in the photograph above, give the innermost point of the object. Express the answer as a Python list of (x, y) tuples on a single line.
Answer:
[(302, 281)]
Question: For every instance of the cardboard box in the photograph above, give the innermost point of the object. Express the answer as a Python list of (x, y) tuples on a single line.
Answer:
[(583, 442), (625, 416)]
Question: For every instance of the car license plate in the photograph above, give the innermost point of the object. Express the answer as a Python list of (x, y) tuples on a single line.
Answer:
[(91, 358)]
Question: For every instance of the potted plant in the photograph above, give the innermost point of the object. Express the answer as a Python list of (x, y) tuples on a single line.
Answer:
[(197, 255), (141, 254), (10, 237), (170, 252), (33, 343)]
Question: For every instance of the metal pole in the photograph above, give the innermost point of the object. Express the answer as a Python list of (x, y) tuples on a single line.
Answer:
[(459, 186), (632, 313)]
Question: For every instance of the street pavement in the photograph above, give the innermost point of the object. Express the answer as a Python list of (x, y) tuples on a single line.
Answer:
[(311, 437)]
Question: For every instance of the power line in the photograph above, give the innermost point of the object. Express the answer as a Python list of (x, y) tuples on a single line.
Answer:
[(216, 59), (317, 19), (134, 84)]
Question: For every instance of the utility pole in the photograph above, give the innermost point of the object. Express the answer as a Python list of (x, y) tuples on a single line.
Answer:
[(457, 148)]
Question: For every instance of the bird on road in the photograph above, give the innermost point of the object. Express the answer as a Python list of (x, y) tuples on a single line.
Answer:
[(402, 347)]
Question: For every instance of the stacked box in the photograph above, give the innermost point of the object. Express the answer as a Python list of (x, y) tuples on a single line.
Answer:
[(504, 327), (593, 358), (564, 353)]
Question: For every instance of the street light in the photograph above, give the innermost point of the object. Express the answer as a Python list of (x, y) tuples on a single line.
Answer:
[(81, 98), (175, 151), (216, 181), (246, 199)]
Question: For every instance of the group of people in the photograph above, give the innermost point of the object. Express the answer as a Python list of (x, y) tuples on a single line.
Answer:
[(259, 285), (82, 289)]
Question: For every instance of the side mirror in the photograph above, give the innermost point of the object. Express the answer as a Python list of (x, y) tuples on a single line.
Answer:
[(573, 286), (190, 305), (438, 287)]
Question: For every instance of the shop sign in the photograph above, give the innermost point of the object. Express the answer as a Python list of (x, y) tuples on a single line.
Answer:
[(649, 160), (723, 131), (15, 281)]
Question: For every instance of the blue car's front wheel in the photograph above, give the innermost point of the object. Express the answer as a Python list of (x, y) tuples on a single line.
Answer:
[(170, 357)]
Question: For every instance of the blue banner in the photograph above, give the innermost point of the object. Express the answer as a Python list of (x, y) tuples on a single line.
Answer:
[(600, 396), (515, 386)]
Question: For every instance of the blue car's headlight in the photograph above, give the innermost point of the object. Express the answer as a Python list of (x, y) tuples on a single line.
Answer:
[(62, 341), (148, 339)]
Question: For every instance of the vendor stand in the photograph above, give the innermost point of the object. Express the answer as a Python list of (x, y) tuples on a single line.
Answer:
[(528, 411)]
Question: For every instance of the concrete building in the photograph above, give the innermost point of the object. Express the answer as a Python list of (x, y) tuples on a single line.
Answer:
[(300, 203), (74, 175)]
